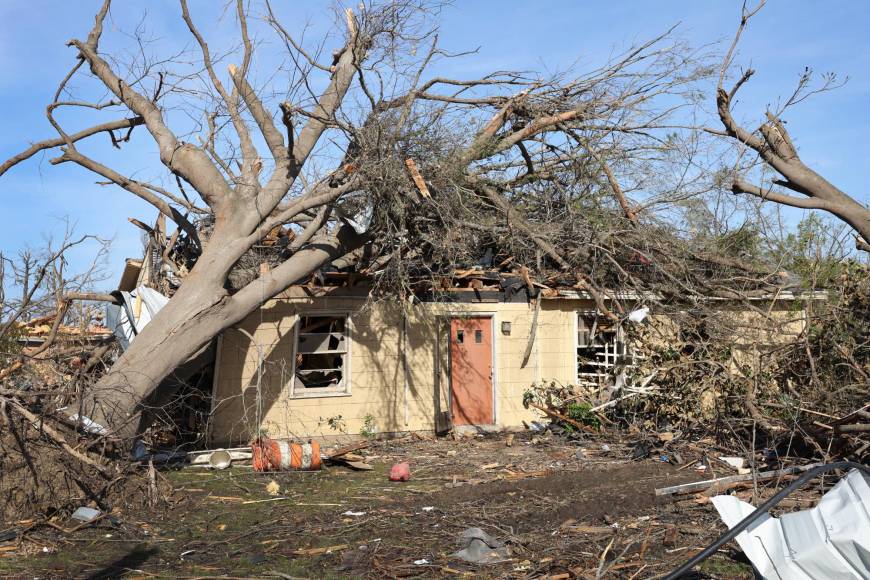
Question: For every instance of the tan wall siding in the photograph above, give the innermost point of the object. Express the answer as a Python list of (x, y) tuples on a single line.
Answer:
[(378, 378), (380, 387)]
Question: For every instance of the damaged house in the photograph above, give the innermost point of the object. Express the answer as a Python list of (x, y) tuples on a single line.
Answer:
[(328, 358), (320, 361)]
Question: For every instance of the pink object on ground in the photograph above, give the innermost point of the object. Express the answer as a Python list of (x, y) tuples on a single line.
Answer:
[(400, 472)]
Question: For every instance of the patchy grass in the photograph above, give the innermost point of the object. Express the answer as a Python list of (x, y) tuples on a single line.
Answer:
[(212, 530), (557, 509), (723, 567)]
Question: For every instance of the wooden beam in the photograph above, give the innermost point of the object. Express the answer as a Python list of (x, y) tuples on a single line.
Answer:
[(707, 483), (855, 428), (418, 179), (92, 297)]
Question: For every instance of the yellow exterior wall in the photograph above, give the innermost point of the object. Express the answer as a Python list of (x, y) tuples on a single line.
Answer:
[(378, 385)]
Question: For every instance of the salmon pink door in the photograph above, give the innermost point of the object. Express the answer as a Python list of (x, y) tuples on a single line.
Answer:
[(471, 395)]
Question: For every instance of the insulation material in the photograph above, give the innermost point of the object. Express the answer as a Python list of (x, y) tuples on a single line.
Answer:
[(831, 540), (138, 308)]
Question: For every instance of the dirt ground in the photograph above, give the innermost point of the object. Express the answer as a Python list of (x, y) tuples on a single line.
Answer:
[(566, 508)]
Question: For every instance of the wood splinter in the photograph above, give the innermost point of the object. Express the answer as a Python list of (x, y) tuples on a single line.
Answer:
[(418, 179)]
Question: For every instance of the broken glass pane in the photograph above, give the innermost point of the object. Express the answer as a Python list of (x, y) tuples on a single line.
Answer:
[(321, 348)]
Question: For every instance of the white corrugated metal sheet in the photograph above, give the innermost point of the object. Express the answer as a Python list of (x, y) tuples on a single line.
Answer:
[(138, 308), (831, 540)]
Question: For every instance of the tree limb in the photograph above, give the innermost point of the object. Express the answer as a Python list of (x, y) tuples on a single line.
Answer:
[(614, 186), (189, 161), (41, 425), (311, 229), (741, 186), (274, 139), (52, 143), (249, 152), (319, 195), (777, 150), (298, 266), (327, 105), (135, 187)]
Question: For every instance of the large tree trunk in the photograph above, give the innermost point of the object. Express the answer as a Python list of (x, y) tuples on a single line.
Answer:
[(196, 314)]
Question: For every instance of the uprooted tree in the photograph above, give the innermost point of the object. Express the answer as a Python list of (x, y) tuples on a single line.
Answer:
[(543, 166), (773, 145)]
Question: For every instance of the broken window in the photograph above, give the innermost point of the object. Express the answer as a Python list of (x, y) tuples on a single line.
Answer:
[(602, 351), (321, 366)]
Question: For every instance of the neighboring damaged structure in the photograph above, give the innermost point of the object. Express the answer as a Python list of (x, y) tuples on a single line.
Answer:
[(135, 309)]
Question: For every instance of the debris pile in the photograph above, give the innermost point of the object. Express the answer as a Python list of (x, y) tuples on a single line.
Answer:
[(802, 392), (54, 346), (49, 472)]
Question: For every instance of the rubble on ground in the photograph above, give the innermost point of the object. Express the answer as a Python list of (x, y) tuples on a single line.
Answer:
[(578, 504)]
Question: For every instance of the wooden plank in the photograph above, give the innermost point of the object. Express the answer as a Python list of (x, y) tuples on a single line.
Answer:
[(761, 476), (853, 428), (418, 179), (338, 452), (359, 465)]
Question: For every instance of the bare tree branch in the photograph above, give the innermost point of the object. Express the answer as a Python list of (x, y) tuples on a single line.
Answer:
[(136, 188), (52, 143), (190, 162), (776, 149), (249, 152)]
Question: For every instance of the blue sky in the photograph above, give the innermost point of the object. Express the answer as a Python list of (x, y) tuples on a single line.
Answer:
[(785, 37)]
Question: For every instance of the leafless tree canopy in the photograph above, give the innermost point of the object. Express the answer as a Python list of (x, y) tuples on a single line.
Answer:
[(361, 159), (774, 148)]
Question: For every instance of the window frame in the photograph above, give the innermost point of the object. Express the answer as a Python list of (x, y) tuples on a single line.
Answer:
[(630, 357), (302, 392)]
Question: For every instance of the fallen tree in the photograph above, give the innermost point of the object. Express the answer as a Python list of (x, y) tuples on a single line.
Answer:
[(795, 383), (335, 178), (52, 349)]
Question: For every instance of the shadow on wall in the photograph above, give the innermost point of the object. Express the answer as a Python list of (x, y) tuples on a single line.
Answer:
[(238, 418), (378, 373)]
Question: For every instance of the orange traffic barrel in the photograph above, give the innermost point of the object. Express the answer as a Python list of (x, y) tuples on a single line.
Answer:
[(276, 455)]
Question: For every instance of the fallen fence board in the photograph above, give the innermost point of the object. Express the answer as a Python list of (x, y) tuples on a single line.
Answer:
[(761, 476)]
